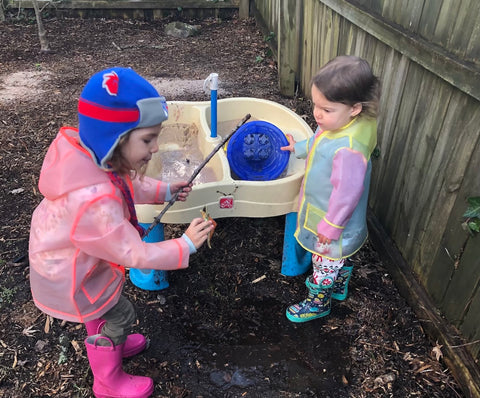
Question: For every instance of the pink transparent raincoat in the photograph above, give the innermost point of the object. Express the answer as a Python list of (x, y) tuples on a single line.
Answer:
[(80, 234)]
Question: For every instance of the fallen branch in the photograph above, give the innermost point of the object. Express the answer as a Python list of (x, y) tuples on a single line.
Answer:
[(157, 219)]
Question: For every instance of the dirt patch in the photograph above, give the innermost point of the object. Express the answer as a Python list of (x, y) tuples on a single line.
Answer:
[(213, 332), (22, 86)]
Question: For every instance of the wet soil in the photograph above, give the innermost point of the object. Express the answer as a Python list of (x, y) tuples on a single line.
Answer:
[(219, 329)]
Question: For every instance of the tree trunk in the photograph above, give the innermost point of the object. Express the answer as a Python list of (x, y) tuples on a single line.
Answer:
[(42, 35)]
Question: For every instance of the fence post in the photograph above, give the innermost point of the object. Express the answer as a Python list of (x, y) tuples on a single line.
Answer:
[(244, 9), (288, 45)]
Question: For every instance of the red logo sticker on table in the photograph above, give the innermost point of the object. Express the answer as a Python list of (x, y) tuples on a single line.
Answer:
[(226, 202)]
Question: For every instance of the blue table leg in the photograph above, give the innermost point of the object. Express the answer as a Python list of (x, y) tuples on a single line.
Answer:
[(296, 260), (150, 279)]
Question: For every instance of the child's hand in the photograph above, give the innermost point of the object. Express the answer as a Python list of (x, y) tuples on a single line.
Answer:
[(322, 245), (290, 146), (198, 231), (323, 239), (183, 187)]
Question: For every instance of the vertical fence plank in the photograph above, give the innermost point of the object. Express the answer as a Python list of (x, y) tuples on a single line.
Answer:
[(444, 25), (393, 84), (444, 233), (463, 26), (307, 39), (244, 9), (428, 157), (402, 145), (469, 327), (406, 189), (317, 43), (464, 284), (429, 17), (346, 38), (425, 128), (473, 47), (288, 47)]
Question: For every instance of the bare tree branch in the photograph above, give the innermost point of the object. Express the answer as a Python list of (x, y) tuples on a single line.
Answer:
[(42, 35)]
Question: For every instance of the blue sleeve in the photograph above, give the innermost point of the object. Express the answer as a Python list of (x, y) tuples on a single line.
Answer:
[(168, 194), (192, 247)]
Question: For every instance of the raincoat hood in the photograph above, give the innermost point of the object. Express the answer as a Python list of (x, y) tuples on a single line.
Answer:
[(68, 166)]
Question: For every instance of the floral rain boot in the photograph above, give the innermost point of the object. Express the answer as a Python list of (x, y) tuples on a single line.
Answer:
[(316, 305), (340, 287)]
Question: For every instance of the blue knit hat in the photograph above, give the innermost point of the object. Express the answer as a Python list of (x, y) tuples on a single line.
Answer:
[(114, 102)]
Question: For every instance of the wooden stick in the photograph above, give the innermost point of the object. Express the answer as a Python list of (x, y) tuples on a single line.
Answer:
[(157, 219)]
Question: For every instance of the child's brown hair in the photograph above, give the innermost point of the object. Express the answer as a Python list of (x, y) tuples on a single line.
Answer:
[(349, 80), (118, 162)]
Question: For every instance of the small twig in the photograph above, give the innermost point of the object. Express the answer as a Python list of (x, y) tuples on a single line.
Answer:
[(464, 345), (117, 46), (259, 279), (19, 258), (157, 219)]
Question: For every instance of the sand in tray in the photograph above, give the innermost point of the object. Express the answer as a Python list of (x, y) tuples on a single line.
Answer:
[(179, 154)]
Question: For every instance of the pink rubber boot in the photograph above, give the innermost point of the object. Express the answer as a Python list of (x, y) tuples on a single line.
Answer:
[(109, 379), (135, 342)]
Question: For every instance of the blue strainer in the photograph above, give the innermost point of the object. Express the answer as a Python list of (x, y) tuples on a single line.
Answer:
[(254, 151)]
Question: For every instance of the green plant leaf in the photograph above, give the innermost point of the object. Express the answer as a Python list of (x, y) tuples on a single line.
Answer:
[(269, 37), (474, 225), (473, 209), (62, 358)]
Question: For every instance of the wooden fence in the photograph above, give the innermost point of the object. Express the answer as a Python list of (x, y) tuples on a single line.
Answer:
[(426, 53), (135, 9)]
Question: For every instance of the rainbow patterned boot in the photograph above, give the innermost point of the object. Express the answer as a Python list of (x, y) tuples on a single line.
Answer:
[(316, 305), (340, 287)]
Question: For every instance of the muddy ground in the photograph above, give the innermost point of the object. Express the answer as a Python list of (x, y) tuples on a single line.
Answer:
[(213, 331)]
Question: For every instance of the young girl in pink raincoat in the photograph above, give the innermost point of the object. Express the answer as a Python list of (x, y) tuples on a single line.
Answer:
[(85, 230), (331, 221)]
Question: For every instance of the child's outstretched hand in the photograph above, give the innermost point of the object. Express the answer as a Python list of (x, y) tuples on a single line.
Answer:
[(290, 146), (198, 231), (183, 187)]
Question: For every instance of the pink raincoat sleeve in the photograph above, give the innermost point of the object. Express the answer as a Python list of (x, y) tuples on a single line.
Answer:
[(348, 175), (148, 190), (101, 230)]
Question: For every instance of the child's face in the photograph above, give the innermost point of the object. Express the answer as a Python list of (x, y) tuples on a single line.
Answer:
[(332, 115), (140, 146)]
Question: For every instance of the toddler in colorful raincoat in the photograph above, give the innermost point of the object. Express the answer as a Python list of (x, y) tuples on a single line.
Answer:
[(333, 199)]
